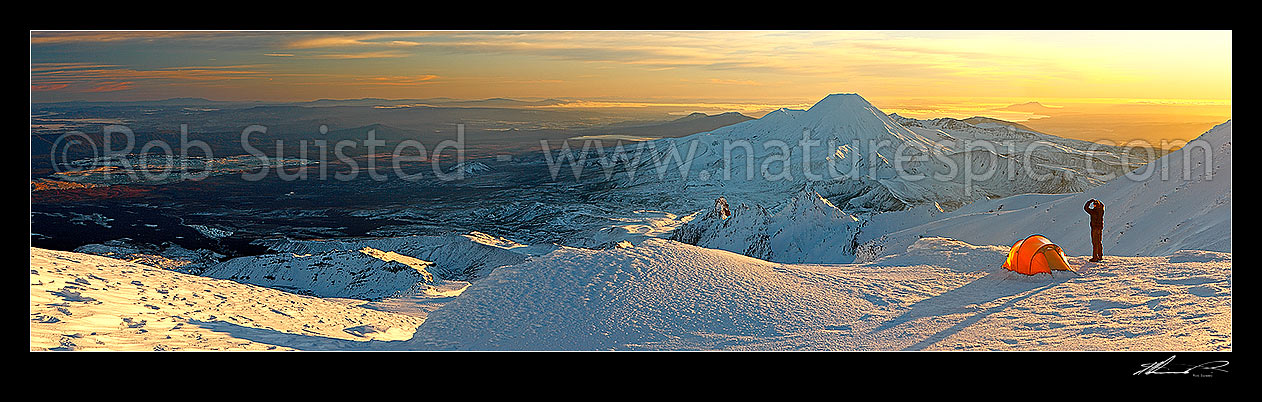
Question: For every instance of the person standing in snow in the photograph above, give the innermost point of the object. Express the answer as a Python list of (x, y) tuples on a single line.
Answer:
[(1095, 208)]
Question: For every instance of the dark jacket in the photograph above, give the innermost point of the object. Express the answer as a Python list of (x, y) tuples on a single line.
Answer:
[(1097, 214)]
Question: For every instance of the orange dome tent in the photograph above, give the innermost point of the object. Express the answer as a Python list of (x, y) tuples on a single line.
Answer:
[(1035, 255)]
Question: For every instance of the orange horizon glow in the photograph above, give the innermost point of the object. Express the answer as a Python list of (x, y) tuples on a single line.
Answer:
[(1176, 80)]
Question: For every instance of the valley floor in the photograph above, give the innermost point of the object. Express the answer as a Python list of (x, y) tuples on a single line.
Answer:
[(940, 294)]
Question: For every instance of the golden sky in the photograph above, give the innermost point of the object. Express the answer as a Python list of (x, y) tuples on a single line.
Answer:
[(1182, 77)]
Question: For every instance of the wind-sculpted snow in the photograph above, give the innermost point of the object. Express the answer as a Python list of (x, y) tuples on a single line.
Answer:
[(861, 159), (940, 294), (1180, 201)]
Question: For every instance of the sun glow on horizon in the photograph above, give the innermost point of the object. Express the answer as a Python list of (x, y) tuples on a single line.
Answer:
[(913, 73)]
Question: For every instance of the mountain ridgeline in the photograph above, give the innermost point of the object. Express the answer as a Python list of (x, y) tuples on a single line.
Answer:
[(864, 160), (889, 163)]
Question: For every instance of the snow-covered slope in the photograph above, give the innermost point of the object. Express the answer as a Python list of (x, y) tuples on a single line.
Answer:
[(453, 257), (807, 229), (1076, 165), (860, 159), (88, 302), (168, 256), (1146, 213), (1180, 201), (468, 168), (366, 273), (940, 294), (373, 268)]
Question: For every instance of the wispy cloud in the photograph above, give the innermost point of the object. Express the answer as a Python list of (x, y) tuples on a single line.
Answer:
[(61, 37), (355, 39), (334, 41), (190, 73), (111, 86), (49, 87), (88, 77), (729, 63), (397, 80), (44, 68), (721, 81), (822, 54), (358, 55)]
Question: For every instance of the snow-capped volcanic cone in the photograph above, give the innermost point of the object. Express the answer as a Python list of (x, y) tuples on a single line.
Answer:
[(857, 157)]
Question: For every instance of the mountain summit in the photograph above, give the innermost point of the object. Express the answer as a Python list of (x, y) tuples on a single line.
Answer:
[(861, 159), (841, 102)]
